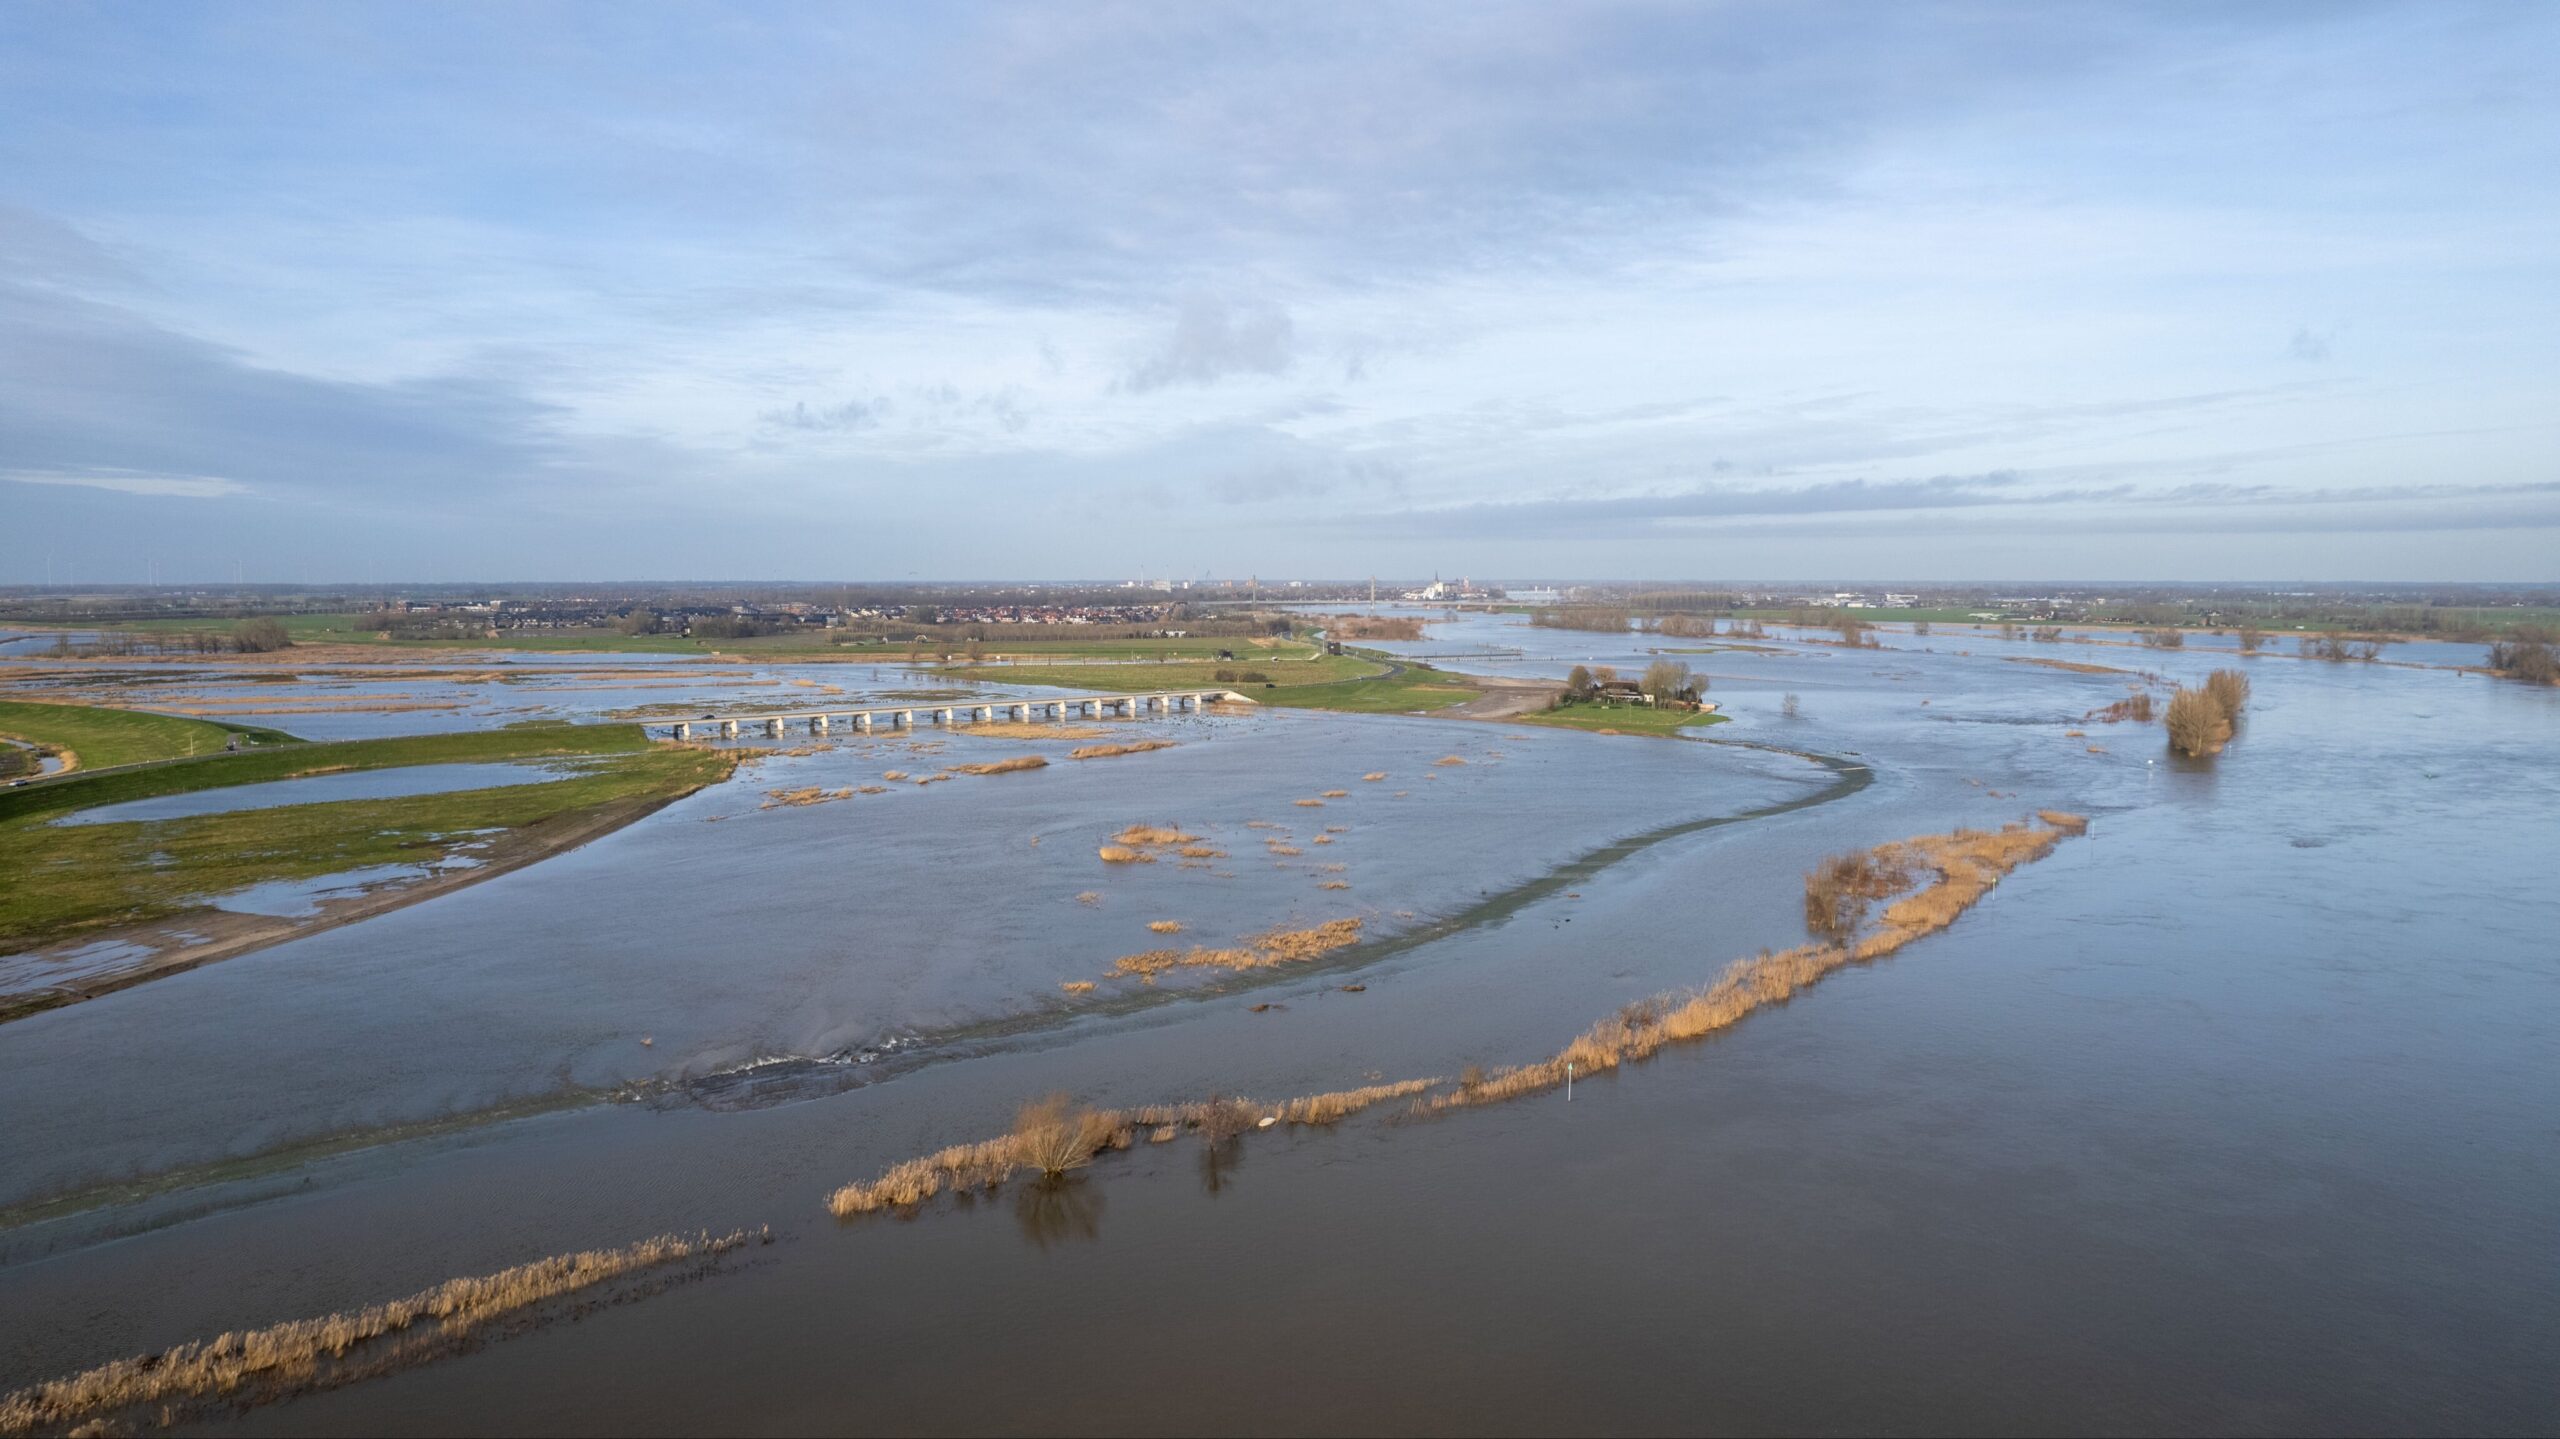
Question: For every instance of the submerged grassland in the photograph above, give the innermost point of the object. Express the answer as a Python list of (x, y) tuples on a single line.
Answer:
[(1929, 880), (66, 880)]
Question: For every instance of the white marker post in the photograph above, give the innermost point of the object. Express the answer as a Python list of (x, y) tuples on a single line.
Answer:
[(1568, 1081)]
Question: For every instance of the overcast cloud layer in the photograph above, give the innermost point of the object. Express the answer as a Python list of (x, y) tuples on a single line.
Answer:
[(413, 292)]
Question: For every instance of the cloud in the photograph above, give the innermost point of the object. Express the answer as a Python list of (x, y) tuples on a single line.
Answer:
[(850, 415), (133, 482), (1211, 340)]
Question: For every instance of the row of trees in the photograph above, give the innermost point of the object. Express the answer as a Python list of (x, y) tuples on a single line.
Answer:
[(1666, 681)]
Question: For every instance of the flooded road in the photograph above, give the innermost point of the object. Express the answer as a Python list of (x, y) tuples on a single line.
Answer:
[(2235, 1115)]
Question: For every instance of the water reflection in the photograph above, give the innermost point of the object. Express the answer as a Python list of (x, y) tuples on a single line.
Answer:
[(1062, 1209), (1221, 1155)]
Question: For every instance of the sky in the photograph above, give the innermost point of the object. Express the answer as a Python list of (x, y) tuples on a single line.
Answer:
[(384, 293)]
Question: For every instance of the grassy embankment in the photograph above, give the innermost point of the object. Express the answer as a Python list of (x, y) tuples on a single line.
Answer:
[(91, 738), (70, 879), (1622, 719), (1307, 681)]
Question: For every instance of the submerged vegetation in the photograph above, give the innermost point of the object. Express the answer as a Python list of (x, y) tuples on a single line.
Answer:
[(1961, 868), (302, 1356), (68, 879)]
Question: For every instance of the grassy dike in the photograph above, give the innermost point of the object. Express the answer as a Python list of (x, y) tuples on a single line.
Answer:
[(67, 880), (92, 738), (1620, 719)]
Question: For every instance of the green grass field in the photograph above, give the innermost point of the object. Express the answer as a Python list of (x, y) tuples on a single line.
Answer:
[(1316, 669), (104, 737), (67, 879), (1622, 719), (1402, 694)]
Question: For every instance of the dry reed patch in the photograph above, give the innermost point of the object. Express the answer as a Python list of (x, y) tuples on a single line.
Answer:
[(1106, 751), (2064, 820), (1276, 847), (1152, 834), (1373, 777), (1261, 951), (2076, 667), (1123, 854), (786, 798), (1004, 766), (2137, 708), (894, 776), (2075, 734), (1165, 926), (1019, 729), (872, 789), (298, 1356), (1076, 986), (1309, 803), (1055, 1132), (1202, 851), (1448, 759), (1335, 884), (1967, 864), (1321, 839), (1089, 898), (1336, 793)]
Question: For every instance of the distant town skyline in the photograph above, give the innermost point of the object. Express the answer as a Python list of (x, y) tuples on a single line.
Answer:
[(326, 294)]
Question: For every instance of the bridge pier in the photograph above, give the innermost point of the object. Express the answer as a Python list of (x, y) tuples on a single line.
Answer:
[(773, 727), (942, 717), (683, 730), (728, 729), (907, 719), (817, 724)]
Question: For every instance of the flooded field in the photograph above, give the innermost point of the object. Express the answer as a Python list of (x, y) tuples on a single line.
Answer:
[(2232, 1115)]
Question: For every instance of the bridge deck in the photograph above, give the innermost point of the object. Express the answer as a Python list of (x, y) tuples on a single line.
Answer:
[(950, 712)]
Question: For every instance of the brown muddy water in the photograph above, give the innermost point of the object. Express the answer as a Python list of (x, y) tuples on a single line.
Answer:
[(2239, 1114)]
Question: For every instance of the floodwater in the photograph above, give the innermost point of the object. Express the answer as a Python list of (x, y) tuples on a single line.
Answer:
[(324, 789), (2234, 1115)]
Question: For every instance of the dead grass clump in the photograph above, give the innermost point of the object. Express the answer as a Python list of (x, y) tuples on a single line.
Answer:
[(1090, 897), (1004, 766), (1165, 926), (2198, 725), (1276, 847), (1310, 804), (1202, 851), (783, 798), (1839, 891), (1336, 793), (258, 1365), (2075, 734), (2137, 708), (1373, 776), (1019, 729), (893, 775), (1321, 839), (1279, 946), (1151, 834), (1448, 759), (1106, 751), (1051, 1136), (1123, 854), (1334, 884), (2064, 820), (1076, 986)]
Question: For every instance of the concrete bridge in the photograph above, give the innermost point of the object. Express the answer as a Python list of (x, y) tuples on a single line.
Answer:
[(870, 717)]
